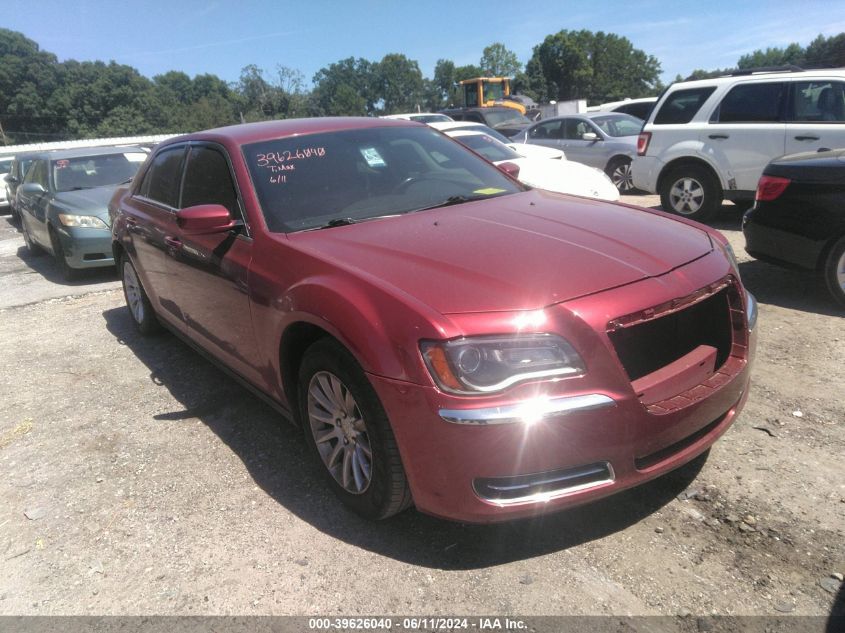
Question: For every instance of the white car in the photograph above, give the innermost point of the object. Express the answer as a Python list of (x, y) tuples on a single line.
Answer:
[(421, 117), (639, 108), (561, 176), (710, 139), (523, 149)]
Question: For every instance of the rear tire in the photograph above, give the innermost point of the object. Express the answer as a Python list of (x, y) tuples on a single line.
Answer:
[(619, 172), (834, 271), (140, 308), (691, 191), (349, 433)]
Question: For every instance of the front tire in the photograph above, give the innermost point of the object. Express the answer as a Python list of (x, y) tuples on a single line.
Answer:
[(619, 172), (349, 433), (692, 192), (137, 300), (32, 248), (834, 271), (68, 273)]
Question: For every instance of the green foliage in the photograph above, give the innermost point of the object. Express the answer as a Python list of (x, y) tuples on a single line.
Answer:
[(399, 83), (498, 61), (598, 67), (44, 99)]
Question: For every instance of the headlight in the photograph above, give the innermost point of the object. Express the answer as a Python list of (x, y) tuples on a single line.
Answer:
[(485, 364), (82, 221), (729, 251)]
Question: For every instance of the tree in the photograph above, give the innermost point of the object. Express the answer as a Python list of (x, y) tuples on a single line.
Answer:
[(498, 61), (345, 88), (399, 83), (595, 66), (792, 54)]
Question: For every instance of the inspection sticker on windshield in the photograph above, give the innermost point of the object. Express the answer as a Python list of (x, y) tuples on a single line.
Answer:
[(372, 157), (489, 191)]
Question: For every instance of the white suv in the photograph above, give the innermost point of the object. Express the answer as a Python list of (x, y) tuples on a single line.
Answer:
[(710, 139)]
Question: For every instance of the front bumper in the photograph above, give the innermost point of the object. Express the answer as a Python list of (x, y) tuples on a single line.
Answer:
[(551, 446), (86, 247)]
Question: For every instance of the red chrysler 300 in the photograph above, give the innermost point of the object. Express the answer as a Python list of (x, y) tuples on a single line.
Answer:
[(446, 336)]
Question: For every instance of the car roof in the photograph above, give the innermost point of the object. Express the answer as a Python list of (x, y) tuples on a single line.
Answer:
[(444, 126), (766, 76), (247, 133), (81, 152), (408, 115)]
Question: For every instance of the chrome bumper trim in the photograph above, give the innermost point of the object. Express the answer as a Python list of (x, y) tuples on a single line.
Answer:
[(609, 476), (527, 411), (751, 310)]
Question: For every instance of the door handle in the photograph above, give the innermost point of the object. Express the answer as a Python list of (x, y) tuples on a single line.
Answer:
[(806, 138), (719, 136), (173, 242)]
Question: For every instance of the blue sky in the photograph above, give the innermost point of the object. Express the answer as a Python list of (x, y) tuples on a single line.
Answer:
[(213, 36)]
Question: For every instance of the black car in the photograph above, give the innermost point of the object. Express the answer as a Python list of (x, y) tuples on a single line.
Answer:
[(798, 219), (507, 121)]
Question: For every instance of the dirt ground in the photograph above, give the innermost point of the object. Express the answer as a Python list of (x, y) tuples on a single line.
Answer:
[(136, 478)]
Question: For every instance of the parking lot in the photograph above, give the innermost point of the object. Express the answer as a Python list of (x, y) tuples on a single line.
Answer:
[(139, 479)]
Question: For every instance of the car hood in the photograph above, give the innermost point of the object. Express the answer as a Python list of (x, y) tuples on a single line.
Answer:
[(564, 176), (86, 201), (536, 151), (518, 252)]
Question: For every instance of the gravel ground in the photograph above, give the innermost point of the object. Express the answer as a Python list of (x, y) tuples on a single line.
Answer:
[(139, 479)]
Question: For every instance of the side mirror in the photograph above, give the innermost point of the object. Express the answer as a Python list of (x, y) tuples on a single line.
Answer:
[(590, 136), (11, 179), (205, 219), (511, 169), (32, 189)]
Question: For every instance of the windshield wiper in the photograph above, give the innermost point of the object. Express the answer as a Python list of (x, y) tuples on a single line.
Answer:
[(336, 222), (448, 202)]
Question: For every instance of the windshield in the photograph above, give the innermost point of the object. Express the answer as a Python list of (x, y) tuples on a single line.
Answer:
[(86, 172), (488, 147), (306, 182), (500, 117), (619, 124)]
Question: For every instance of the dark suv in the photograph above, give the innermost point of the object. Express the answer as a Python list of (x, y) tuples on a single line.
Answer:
[(504, 120)]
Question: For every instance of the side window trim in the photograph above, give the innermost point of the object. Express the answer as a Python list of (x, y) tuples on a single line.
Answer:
[(137, 191), (782, 106), (238, 198)]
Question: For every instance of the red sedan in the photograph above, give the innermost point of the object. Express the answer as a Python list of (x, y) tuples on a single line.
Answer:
[(447, 337)]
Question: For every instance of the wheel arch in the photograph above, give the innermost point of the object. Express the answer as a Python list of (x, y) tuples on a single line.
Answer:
[(687, 161), (294, 343)]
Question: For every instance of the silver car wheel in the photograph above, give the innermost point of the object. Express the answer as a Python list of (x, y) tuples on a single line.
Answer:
[(840, 271), (621, 177), (133, 292), (340, 433), (686, 196)]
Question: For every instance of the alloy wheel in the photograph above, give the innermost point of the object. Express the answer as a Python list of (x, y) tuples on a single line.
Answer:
[(133, 292), (621, 177), (340, 432), (686, 196)]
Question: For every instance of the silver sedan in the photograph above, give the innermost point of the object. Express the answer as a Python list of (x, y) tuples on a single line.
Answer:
[(604, 140)]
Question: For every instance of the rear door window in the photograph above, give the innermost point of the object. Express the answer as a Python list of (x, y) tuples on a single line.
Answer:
[(161, 182), (818, 101), (682, 105), (751, 103)]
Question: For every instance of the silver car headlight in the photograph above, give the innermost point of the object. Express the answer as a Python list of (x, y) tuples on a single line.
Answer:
[(486, 364), (82, 221)]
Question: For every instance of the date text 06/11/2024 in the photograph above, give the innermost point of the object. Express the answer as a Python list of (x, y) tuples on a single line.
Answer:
[(417, 623)]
